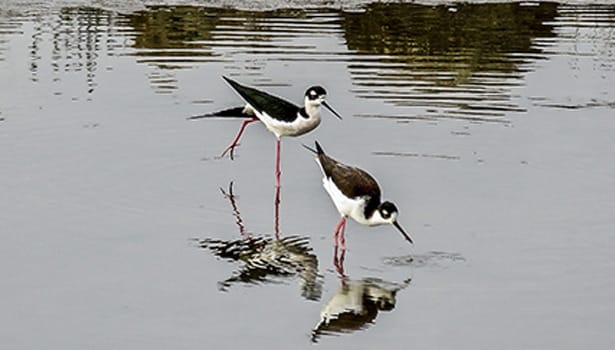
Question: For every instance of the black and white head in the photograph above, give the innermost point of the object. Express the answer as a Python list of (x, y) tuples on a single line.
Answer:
[(388, 213), (316, 93), (314, 97)]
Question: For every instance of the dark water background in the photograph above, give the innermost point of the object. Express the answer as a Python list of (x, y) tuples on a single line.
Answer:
[(489, 125)]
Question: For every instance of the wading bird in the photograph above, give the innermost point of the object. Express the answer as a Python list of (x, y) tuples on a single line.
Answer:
[(281, 117), (355, 193)]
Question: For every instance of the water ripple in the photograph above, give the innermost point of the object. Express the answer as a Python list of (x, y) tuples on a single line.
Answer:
[(423, 62), (430, 259)]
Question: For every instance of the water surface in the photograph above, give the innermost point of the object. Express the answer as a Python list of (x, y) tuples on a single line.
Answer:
[(489, 125)]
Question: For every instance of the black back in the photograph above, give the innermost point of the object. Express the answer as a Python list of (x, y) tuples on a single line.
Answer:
[(276, 107), (352, 181)]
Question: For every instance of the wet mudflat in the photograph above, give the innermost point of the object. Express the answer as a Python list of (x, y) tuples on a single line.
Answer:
[(489, 125)]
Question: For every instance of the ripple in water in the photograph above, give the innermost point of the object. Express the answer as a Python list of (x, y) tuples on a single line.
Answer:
[(268, 260), (462, 62), (465, 62), (429, 259)]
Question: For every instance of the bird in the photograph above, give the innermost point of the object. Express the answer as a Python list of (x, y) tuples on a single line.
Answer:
[(356, 194), (281, 117)]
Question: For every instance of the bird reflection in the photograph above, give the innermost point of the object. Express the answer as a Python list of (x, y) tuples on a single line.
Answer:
[(267, 259), (356, 303)]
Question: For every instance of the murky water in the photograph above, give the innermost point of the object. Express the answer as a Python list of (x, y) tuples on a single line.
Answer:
[(489, 125)]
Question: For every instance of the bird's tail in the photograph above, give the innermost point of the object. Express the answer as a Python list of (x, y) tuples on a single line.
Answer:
[(236, 112), (317, 151)]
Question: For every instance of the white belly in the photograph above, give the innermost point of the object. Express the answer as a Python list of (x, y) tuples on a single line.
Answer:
[(298, 127), (349, 207)]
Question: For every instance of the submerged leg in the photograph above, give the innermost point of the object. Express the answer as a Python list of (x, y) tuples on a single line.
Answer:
[(278, 172), (235, 141), (336, 232)]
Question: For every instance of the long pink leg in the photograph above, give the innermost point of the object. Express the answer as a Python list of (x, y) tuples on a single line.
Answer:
[(336, 232), (235, 141), (278, 172), (343, 236)]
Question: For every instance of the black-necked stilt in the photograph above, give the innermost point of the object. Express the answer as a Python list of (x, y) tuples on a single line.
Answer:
[(281, 117), (355, 193)]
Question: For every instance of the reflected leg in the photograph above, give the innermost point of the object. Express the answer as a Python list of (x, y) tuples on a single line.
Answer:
[(278, 171), (339, 263), (277, 213), (231, 197)]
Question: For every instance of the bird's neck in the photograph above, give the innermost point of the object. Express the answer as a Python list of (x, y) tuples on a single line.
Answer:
[(375, 218), (312, 109)]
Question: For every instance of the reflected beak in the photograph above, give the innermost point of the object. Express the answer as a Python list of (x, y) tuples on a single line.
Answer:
[(324, 103), (396, 224)]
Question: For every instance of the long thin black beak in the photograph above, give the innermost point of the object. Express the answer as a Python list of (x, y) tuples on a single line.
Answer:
[(396, 224), (324, 103)]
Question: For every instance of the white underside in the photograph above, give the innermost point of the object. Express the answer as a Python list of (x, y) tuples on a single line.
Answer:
[(347, 207), (350, 207), (297, 127)]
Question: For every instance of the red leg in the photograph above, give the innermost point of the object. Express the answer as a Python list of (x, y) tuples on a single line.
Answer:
[(343, 236), (235, 141), (336, 232), (278, 172)]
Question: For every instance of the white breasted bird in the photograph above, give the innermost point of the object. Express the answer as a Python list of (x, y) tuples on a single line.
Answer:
[(281, 117), (356, 194)]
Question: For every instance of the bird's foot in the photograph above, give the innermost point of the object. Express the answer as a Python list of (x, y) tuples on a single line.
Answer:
[(230, 150)]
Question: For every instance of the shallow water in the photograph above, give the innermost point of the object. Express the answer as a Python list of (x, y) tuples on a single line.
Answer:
[(489, 125)]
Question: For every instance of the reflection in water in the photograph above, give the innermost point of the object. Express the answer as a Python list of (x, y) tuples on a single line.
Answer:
[(73, 41), (267, 259), (429, 259), (172, 38), (586, 36), (457, 62), (165, 39), (8, 26), (466, 61), (356, 303)]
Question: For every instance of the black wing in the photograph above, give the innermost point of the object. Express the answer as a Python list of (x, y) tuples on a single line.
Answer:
[(276, 107), (352, 181)]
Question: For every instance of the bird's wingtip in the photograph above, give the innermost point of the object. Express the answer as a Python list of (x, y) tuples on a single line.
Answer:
[(318, 148), (309, 148)]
